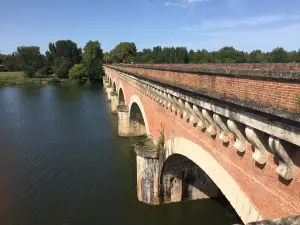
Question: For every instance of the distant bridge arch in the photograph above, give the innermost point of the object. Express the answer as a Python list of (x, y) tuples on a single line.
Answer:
[(138, 119), (121, 94)]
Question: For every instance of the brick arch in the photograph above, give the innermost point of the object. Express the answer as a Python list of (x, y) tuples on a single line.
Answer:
[(225, 182), (119, 88), (136, 99), (114, 84)]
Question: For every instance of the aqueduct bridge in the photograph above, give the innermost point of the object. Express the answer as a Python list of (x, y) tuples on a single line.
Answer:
[(230, 130)]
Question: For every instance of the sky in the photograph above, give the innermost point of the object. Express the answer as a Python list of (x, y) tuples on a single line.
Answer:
[(196, 24)]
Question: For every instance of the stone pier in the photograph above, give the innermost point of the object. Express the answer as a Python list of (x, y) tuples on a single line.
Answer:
[(108, 91), (114, 101), (123, 120), (147, 173)]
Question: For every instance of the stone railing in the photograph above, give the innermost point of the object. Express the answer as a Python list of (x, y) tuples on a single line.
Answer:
[(279, 137), (270, 91)]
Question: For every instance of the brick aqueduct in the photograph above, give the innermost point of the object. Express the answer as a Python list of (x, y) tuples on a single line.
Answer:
[(213, 129)]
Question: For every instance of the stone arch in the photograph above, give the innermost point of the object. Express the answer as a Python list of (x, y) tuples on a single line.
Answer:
[(229, 187), (138, 122), (121, 95), (114, 86), (181, 179)]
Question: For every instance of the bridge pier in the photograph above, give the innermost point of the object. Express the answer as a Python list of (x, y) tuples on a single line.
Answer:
[(147, 173), (114, 101), (174, 180), (108, 91), (123, 120)]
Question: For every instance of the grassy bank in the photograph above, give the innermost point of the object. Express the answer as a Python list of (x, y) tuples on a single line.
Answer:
[(16, 78)]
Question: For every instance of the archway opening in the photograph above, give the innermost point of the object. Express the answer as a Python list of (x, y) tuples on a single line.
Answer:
[(121, 97), (136, 121), (114, 87), (189, 173), (181, 179)]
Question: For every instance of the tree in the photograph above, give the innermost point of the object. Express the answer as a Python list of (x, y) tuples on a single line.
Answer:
[(50, 54), (278, 55), (12, 62), (67, 49), (92, 59), (107, 58), (124, 52), (231, 55), (255, 56), (31, 59), (157, 56), (92, 51), (61, 67), (1, 59), (294, 56), (77, 72)]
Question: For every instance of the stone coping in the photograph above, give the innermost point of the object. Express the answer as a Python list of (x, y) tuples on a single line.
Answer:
[(274, 73), (247, 106)]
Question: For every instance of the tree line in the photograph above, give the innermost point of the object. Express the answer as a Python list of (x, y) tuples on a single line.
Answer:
[(126, 52), (63, 58)]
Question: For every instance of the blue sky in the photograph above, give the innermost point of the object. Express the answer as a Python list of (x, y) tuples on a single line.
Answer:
[(197, 24)]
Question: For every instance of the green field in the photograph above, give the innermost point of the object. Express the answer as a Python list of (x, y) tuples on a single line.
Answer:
[(11, 75), (16, 78)]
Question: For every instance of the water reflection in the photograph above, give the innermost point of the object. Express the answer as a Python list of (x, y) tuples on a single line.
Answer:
[(66, 164)]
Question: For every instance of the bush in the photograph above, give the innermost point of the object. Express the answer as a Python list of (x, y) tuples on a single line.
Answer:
[(95, 72), (61, 67), (45, 71), (54, 80), (77, 72)]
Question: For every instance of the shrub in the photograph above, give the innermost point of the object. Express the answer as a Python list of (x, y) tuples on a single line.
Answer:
[(54, 80), (77, 72), (45, 71), (61, 67), (94, 72)]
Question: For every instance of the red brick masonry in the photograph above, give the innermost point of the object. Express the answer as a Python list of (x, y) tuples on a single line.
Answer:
[(272, 197), (273, 86)]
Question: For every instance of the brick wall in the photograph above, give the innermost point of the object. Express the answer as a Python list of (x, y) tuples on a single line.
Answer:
[(277, 94), (271, 196)]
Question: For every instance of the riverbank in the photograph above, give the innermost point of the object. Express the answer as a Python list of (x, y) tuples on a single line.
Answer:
[(17, 78)]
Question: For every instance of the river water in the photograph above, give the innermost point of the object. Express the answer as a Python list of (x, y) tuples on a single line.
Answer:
[(62, 163)]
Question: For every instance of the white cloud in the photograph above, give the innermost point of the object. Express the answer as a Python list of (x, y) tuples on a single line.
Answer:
[(216, 26), (262, 32), (183, 3)]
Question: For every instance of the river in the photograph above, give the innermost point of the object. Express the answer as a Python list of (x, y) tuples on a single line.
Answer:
[(62, 163)]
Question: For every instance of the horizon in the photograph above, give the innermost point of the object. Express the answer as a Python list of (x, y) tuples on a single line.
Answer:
[(196, 24)]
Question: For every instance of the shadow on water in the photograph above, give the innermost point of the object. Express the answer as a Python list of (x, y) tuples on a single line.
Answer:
[(67, 165)]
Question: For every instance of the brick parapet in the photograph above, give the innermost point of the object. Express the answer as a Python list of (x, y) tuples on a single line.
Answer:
[(272, 95)]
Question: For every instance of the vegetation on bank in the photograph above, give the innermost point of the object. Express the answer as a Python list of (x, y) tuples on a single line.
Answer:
[(17, 78), (63, 60), (126, 52)]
